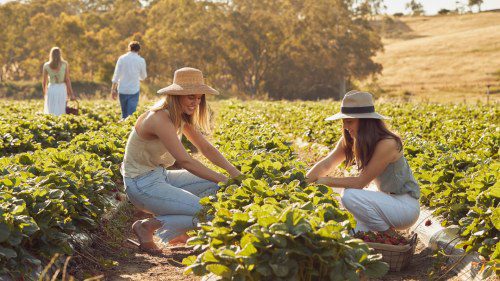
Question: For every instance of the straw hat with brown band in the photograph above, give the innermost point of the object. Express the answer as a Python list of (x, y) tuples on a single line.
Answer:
[(188, 81), (357, 104)]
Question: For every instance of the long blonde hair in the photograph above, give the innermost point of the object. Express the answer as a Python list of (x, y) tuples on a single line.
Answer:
[(55, 58), (200, 119)]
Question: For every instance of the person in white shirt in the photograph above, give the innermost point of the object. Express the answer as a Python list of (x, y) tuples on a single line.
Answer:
[(129, 71)]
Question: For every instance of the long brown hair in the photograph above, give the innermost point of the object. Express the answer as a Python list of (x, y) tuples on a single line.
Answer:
[(370, 132), (200, 119), (55, 58)]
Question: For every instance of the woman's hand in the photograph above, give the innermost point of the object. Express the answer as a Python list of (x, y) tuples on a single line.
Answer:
[(310, 180), (222, 178), (235, 173)]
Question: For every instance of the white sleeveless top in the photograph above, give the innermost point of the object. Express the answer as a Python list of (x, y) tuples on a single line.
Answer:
[(142, 156)]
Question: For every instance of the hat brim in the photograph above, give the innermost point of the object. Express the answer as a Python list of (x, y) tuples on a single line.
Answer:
[(186, 90), (373, 115)]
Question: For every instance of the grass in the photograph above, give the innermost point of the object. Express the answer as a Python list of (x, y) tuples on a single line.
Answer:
[(442, 57)]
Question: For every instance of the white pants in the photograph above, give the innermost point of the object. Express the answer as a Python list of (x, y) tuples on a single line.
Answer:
[(55, 101), (378, 211)]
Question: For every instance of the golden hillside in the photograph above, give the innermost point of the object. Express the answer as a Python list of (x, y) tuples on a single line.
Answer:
[(443, 57)]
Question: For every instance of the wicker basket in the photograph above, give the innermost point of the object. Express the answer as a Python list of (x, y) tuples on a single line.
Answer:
[(72, 110), (397, 256)]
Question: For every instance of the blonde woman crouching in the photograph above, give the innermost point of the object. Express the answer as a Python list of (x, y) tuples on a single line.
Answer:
[(154, 144)]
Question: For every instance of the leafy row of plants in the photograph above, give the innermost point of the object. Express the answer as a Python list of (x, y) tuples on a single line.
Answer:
[(452, 149), (269, 224), (49, 195), (30, 130)]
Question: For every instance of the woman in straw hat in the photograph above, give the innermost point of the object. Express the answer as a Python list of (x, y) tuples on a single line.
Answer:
[(172, 196), (378, 154)]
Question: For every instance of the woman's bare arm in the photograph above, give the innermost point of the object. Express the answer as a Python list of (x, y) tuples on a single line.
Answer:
[(160, 125), (331, 161), (384, 154), (44, 81), (208, 150), (68, 83)]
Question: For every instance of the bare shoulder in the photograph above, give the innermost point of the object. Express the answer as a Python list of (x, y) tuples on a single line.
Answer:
[(389, 147), (149, 124), (157, 117), (386, 145)]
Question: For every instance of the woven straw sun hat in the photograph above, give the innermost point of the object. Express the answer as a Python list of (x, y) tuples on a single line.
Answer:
[(357, 104), (188, 81)]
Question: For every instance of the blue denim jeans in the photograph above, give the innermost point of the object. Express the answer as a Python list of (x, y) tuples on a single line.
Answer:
[(172, 196), (128, 104)]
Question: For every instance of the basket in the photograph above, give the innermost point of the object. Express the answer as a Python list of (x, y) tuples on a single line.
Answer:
[(397, 256), (72, 110)]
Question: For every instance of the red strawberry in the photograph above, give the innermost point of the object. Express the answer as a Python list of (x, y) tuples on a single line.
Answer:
[(428, 222)]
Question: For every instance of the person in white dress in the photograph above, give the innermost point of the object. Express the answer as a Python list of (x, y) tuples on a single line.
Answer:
[(56, 84)]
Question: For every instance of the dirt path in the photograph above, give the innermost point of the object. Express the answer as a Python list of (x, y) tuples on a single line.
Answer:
[(132, 264), (136, 265)]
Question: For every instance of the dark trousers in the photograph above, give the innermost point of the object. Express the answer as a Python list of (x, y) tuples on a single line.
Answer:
[(128, 104)]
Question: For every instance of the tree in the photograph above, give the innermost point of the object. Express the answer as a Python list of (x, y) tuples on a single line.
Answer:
[(325, 48), (280, 48), (474, 3), (415, 7), (370, 8), (444, 11)]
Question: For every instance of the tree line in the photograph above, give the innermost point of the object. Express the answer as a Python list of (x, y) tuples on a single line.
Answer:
[(289, 49)]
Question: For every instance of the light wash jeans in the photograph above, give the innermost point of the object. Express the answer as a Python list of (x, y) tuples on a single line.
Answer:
[(172, 196), (378, 211)]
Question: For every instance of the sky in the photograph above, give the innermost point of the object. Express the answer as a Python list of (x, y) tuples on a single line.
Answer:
[(431, 7)]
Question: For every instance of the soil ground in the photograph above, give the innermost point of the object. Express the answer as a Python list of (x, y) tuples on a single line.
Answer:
[(132, 264)]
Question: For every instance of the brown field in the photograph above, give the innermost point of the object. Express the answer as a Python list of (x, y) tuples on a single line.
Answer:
[(442, 58)]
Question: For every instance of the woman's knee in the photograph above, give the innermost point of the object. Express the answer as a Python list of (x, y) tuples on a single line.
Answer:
[(348, 198)]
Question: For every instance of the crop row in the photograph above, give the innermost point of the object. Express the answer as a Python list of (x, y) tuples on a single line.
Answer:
[(23, 127), (269, 224), (452, 149), (49, 195)]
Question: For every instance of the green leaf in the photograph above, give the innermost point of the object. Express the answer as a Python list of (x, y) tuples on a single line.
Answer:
[(376, 269), (7, 252), (4, 232), (266, 221), (189, 260), (219, 270), (19, 209), (281, 270), (209, 256), (495, 218), (247, 251), (495, 191), (264, 269)]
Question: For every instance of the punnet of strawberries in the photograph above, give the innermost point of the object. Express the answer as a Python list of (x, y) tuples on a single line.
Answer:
[(393, 238)]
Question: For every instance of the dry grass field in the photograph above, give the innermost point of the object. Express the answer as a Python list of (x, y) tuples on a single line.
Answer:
[(442, 58)]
